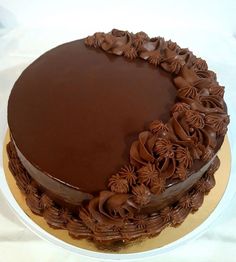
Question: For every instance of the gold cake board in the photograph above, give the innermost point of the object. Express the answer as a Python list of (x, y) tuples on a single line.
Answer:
[(167, 236)]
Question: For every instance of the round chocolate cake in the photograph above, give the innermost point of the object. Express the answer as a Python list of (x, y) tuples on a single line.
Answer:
[(114, 137)]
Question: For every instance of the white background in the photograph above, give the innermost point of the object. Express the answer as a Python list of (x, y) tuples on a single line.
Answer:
[(28, 28)]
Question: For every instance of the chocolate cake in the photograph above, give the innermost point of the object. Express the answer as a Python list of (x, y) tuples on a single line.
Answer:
[(115, 136)]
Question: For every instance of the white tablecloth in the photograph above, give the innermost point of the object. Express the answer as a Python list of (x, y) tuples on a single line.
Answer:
[(28, 28)]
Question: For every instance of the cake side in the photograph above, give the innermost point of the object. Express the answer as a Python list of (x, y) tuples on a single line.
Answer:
[(84, 225), (73, 198)]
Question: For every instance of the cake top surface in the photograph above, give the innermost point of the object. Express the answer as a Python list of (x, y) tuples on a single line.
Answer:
[(94, 116), (76, 110)]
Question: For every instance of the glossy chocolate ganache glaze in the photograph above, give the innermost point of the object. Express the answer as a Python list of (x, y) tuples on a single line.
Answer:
[(115, 136)]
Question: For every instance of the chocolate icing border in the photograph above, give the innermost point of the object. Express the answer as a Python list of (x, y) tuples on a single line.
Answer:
[(168, 152), (83, 225)]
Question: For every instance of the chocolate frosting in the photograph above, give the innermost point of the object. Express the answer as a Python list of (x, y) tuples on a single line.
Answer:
[(165, 176)]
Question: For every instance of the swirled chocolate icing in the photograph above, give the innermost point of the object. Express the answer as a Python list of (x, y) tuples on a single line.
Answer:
[(115, 136)]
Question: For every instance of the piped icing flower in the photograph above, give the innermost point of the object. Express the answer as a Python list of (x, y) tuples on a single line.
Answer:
[(141, 151), (184, 157), (164, 148), (178, 215), (196, 200), (172, 45), (53, 217), (76, 228), (204, 92), (185, 201), (118, 184), (158, 126), (30, 189), (147, 174), (22, 180), (139, 39), (173, 62), (200, 185), (200, 64), (130, 53), (180, 107), (155, 57), (181, 172), (195, 119), (212, 101), (46, 202), (155, 43), (216, 121), (118, 33), (217, 90), (209, 183), (203, 74), (128, 172), (187, 91), (33, 201), (173, 65), (141, 221), (208, 153), (166, 214), (176, 65), (202, 83), (89, 41), (96, 40), (158, 185), (142, 195), (214, 166)]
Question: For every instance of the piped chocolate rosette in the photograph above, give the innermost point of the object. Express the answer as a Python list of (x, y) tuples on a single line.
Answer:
[(171, 165)]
